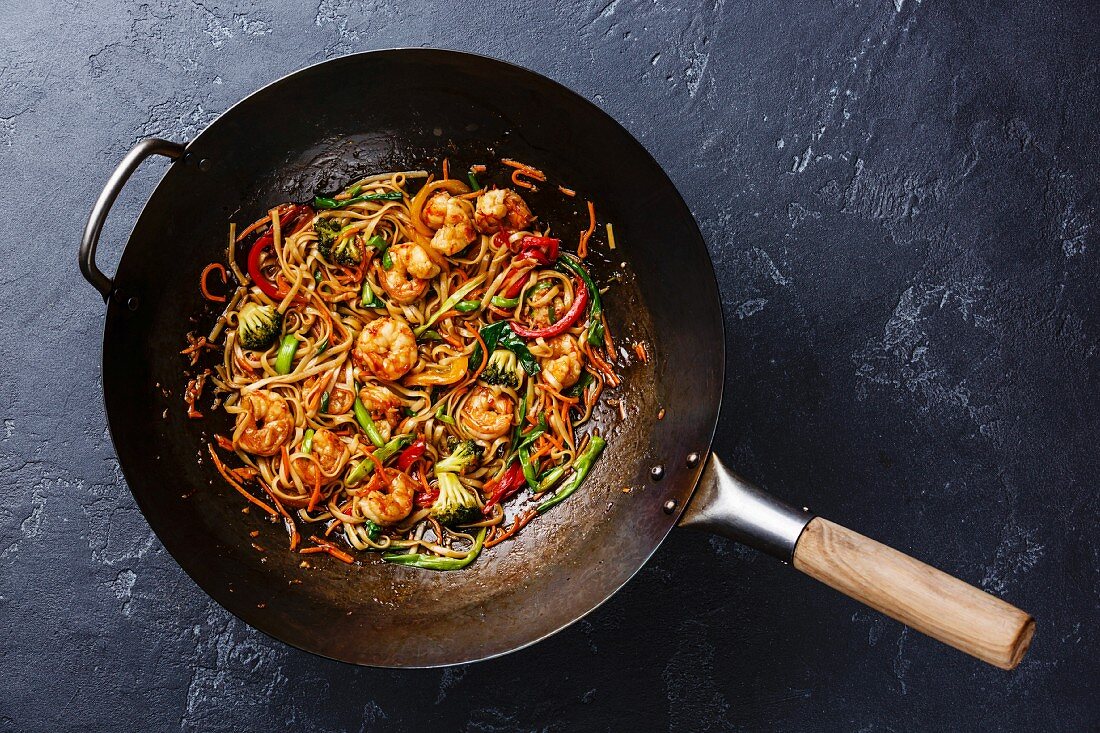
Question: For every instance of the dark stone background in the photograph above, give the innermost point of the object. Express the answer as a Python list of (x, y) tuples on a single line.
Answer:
[(900, 198)]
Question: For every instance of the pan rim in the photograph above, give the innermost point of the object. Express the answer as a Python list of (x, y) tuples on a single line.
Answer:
[(256, 620)]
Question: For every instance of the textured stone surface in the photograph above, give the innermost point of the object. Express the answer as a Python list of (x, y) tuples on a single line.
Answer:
[(900, 198)]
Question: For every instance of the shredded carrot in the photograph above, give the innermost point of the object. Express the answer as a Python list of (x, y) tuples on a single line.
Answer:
[(244, 473), (259, 223), (479, 168), (640, 351), (522, 169), (485, 355), (420, 475), (225, 474), (332, 550), (316, 496), (517, 179), (224, 443), (220, 268), (377, 464), (311, 550), (610, 236), (291, 528), (607, 341), (527, 169), (520, 522), (340, 554), (601, 365), (446, 169), (582, 248), (567, 191)]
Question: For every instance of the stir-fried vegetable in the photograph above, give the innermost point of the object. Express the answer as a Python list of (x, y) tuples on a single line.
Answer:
[(291, 220), (365, 467), (581, 466), (368, 298), (501, 334), (411, 454), (284, 362), (434, 562), (505, 487), (595, 308), (322, 202), (362, 416), (503, 369), (258, 326), (450, 302)]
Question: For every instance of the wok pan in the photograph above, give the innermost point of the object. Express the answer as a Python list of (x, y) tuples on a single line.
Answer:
[(400, 109)]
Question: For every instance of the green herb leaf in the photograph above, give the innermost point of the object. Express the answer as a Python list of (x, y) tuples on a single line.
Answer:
[(323, 202)]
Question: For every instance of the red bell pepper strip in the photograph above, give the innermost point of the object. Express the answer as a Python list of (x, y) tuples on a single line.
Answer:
[(411, 454), (293, 219), (505, 487), (543, 250), (580, 300), (425, 499)]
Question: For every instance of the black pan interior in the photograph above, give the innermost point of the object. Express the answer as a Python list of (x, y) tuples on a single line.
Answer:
[(313, 131)]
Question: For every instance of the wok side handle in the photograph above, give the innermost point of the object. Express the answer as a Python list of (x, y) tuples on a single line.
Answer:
[(126, 168), (918, 595)]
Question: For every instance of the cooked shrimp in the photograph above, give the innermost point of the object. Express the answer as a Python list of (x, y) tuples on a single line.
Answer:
[(264, 423), (408, 278), (384, 407), (329, 451), (386, 348), (435, 210), (561, 366), (340, 401), (487, 414), (500, 206), (392, 501), (458, 229)]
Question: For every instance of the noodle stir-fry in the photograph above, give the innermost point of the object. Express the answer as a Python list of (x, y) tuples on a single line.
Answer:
[(400, 366)]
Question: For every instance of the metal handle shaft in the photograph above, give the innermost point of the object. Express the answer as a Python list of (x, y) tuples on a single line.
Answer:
[(726, 504), (90, 240)]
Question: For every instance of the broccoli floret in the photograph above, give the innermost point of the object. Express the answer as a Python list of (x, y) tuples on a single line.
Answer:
[(327, 229), (346, 252), (464, 453), (456, 503), (503, 369), (258, 326)]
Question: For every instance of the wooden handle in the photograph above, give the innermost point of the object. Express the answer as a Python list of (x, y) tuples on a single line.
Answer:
[(916, 594)]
